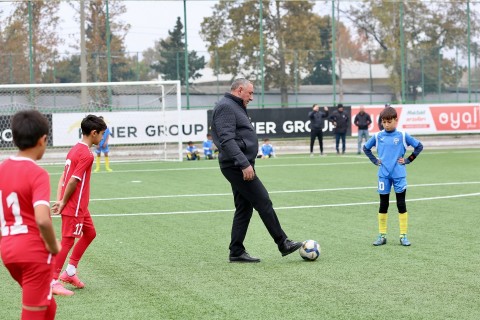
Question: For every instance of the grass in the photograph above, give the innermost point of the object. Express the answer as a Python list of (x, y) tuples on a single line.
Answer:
[(163, 231)]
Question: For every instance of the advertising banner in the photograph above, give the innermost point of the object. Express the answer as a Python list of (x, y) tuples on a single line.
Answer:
[(427, 118), (6, 138), (286, 122), (135, 127)]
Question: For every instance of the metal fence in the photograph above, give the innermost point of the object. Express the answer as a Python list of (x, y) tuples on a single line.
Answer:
[(417, 59)]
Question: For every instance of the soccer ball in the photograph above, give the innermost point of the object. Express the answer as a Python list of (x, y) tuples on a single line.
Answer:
[(310, 250)]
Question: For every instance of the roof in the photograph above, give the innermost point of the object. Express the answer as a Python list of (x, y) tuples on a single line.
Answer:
[(352, 69)]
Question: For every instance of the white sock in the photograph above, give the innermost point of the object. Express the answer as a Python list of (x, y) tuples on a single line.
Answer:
[(71, 270)]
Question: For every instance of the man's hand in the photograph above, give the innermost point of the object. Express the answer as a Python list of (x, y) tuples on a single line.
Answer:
[(248, 173), (56, 249), (401, 161), (379, 162), (57, 207)]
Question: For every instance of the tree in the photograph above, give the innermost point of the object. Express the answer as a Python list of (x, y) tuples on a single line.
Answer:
[(291, 37), (66, 70), (170, 60), (14, 40), (96, 42), (428, 28)]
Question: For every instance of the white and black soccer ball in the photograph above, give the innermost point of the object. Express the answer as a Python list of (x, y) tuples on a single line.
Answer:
[(310, 250)]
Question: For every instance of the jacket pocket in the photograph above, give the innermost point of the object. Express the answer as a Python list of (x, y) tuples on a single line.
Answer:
[(241, 144)]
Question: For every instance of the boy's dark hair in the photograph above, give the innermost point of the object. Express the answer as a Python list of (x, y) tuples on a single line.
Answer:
[(190, 142), (27, 127), (91, 122), (340, 105), (388, 113), (266, 139)]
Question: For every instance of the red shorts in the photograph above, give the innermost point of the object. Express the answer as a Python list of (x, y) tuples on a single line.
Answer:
[(74, 226), (35, 280)]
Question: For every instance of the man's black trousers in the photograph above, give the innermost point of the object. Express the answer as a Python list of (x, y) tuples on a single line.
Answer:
[(249, 195), (316, 133)]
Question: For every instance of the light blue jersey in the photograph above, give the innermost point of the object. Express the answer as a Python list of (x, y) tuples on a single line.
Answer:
[(101, 147), (391, 145), (208, 147), (191, 149), (267, 150)]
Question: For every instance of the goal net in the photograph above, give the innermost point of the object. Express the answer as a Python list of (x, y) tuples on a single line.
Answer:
[(144, 117)]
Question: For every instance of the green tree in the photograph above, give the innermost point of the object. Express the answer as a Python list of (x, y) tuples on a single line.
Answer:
[(291, 37), (428, 27), (170, 62), (66, 70), (14, 40), (96, 42), (322, 61)]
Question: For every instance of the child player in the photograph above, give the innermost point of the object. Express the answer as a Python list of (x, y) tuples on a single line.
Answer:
[(267, 149), (103, 147), (208, 151), (28, 243), (391, 147), (73, 195)]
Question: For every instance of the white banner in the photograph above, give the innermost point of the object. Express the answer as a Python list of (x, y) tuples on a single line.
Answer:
[(136, 127)]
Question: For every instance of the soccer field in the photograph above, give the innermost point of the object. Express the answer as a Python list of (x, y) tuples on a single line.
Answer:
[(163, 231)]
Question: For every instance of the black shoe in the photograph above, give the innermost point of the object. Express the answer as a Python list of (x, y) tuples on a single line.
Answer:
[(244, 257), (289, 246)]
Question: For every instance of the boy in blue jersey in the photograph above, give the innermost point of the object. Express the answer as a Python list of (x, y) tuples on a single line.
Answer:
[(267, 149), (208, 151), (391, 147), (192, 151), (103, 147)]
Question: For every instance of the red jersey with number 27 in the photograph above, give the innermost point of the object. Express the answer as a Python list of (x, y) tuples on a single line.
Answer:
[(78, 165), (23, 186)]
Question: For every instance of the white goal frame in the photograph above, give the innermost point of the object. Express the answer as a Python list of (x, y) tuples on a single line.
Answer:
[(153, 153)]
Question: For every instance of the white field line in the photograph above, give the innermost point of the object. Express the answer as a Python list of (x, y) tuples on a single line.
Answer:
[(280, 192), (217, 168), (281, 208), (298, 156)]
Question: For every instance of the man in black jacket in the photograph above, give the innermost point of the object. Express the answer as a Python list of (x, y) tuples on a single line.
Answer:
[(237, 142), (317, 118), (362, 121), (341, 122)]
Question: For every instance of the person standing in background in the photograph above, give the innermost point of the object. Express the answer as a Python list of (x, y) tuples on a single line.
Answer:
[(362, 121), (340, 121), (103, 147), (317, 119)]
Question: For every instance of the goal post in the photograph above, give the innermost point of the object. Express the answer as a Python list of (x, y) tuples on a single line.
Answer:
[(145, 117)]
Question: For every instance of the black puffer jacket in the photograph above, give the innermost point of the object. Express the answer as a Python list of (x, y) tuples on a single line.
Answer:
[(233, 133), (317, 119), (342, 121)]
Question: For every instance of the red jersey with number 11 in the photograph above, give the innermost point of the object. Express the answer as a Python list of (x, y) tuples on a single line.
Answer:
[(79, 166), (23, 186)]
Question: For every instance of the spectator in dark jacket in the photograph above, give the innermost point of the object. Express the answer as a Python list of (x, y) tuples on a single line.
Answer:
[(362, 121), (237, 143), (341, 122), (317, 118)]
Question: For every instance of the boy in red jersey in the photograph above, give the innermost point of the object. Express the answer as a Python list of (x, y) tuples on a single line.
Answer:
[(28, 244), (73, 195)]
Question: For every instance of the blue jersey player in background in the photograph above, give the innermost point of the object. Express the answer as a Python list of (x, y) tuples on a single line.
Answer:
[(266, 150), (391, 146), (208, 150), (192, 151), (103, 147)]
